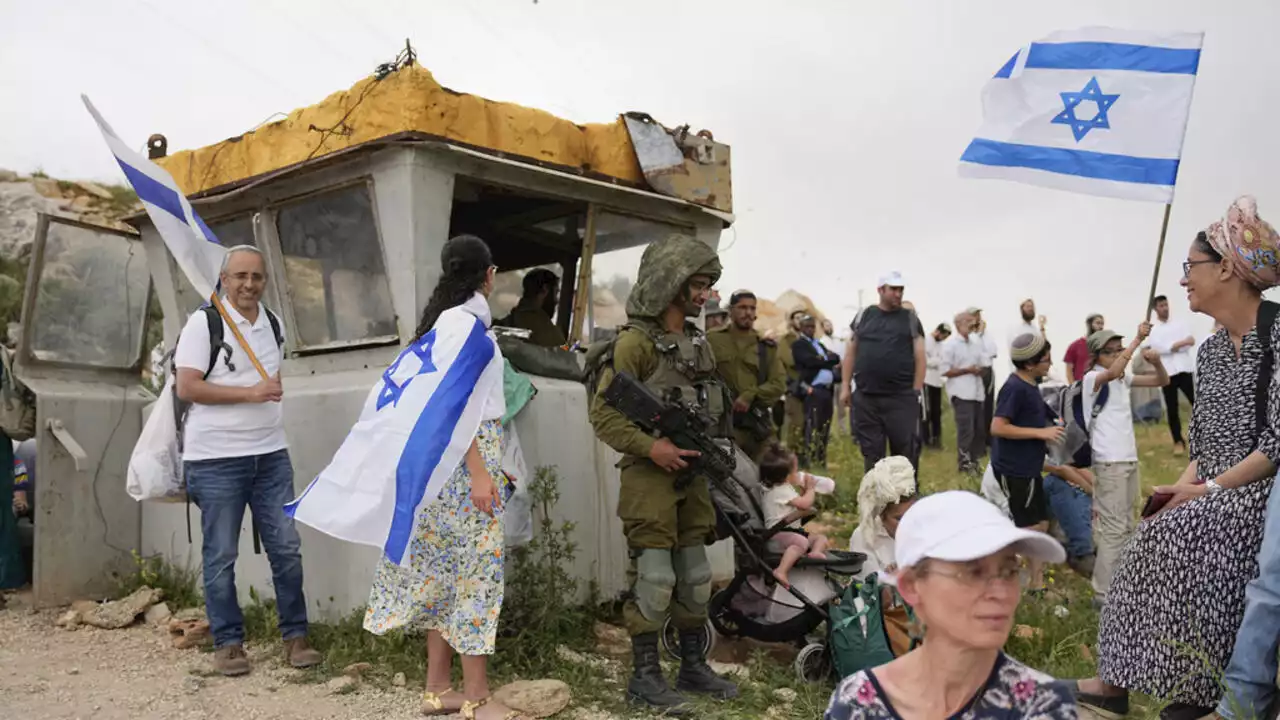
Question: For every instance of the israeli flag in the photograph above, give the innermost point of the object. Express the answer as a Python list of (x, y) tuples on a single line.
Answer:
[(193, 244), (1099, 111), (416, 426)]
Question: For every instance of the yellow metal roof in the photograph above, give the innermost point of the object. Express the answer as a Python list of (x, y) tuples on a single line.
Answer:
[(409, 100)]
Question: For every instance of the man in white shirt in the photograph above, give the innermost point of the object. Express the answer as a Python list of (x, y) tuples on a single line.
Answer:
[(961, 366), (234, 455), (1176, 345), (1115, 449), (933, 382)]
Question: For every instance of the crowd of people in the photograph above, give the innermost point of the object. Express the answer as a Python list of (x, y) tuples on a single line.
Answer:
[(1190, 591)]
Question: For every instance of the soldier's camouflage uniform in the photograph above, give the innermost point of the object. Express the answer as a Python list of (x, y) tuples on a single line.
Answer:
[(667, 530)]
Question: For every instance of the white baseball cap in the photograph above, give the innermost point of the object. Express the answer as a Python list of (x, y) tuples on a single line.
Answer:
[(959, 526), (893, 278)]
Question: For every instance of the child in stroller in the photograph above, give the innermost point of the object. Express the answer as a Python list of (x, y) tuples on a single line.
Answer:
[(785, 505), (755, 604)]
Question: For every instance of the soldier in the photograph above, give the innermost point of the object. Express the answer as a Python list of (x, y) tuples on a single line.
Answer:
[(536, 308), (793, 413), (667, 530), (752, 368), (713, 315)]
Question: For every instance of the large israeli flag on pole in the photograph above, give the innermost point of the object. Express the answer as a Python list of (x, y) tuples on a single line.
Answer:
[(414, 430), (1097, 110), (192, 243)]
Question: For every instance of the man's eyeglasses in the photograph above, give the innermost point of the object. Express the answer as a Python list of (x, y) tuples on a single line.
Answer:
[(1187, 265)]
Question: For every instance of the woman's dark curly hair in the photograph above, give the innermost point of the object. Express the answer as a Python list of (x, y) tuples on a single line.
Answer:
[(465, 261)]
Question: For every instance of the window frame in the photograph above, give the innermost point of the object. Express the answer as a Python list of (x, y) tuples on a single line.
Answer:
[(267, 235), (31, 298), (583, 319)]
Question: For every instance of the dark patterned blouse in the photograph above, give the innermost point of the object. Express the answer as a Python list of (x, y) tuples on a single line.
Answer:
[(1012, 691)]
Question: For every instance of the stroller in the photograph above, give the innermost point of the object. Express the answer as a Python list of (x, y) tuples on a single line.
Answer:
[(755, 604)]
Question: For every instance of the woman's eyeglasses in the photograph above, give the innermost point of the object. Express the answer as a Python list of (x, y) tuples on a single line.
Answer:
[(1187, 265), (978, 577)]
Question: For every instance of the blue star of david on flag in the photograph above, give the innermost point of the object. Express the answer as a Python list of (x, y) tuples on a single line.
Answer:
[(391, 392), (1072, 100)]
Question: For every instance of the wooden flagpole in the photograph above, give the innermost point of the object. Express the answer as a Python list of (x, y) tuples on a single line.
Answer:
[(222, 310), (1155, 274)]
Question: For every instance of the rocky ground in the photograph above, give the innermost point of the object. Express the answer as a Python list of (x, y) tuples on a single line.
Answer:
[(135, 673), (54, 669)]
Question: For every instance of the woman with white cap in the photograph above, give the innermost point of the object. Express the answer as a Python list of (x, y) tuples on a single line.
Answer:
[(959, 560)]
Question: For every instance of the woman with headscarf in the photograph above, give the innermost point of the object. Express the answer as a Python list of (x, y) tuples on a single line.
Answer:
[(1170, 619), (884, 496), (887, 491)]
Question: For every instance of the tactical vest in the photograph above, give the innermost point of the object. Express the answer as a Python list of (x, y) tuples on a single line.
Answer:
[(687, 366)]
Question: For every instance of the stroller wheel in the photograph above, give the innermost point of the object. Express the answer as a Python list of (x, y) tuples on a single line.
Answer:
[(718, 613), (813, 665), (671, 639)]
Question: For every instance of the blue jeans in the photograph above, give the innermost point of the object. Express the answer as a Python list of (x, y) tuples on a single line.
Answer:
[(1073, 510), (1251, 675), (222, 488)]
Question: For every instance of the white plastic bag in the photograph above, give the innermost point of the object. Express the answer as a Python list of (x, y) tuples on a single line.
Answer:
[(517, 516), (992, 491), (155, 467)]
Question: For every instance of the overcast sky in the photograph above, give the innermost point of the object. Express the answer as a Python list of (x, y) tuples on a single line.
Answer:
[(846, 119)]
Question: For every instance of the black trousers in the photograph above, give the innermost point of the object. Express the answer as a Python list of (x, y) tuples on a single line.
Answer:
[(894, 419), (933, 415), (1185, 383), (818, 409)]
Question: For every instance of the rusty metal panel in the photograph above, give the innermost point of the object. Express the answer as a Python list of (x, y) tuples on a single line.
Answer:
[(692, 167)]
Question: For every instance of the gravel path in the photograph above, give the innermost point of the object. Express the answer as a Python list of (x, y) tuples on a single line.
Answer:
[(48, 673)]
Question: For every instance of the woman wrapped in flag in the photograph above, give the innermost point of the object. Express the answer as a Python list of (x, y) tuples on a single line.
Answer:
[(420, 475)]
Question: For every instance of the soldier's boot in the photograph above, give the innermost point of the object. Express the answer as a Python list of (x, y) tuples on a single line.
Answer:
[(695, 674), (648, 686)]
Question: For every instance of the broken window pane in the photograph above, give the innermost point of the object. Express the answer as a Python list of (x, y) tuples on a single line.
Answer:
[(333, 264), (92, 301)]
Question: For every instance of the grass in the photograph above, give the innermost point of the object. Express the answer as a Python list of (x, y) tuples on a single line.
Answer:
[(541, 636)]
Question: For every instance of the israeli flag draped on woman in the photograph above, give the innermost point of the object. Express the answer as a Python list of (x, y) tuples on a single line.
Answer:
[(417, 424), (1099, 111)]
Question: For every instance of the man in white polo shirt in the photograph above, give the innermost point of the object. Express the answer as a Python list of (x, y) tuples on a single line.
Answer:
[(1177, 347), (961, 365), (235, 455)]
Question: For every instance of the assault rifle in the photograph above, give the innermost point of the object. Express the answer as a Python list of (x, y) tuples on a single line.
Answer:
[(675, 420)]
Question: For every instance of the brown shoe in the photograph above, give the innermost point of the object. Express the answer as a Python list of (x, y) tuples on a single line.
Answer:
[(231, 661), (300, 654)]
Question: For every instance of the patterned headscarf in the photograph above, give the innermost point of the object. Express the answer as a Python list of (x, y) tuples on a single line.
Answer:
[(1251, 243)]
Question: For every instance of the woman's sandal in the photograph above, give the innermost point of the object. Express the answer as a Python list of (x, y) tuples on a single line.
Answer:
[(469, 709), (433, 703)]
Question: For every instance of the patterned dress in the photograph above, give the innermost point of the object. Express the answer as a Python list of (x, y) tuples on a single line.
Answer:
[(453, 579), (1012, 691), (1177, 599)]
